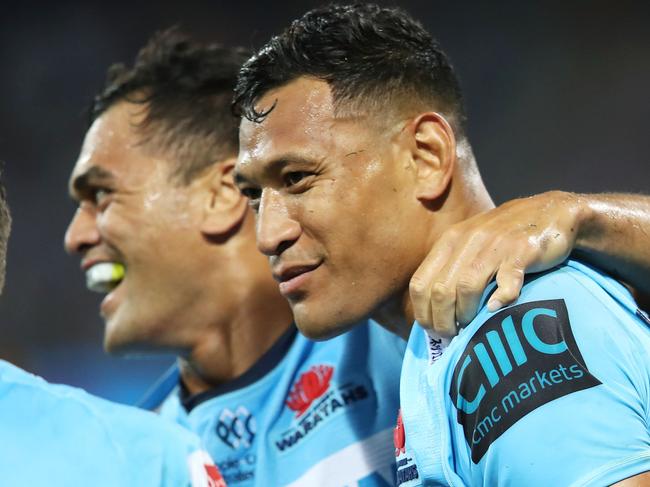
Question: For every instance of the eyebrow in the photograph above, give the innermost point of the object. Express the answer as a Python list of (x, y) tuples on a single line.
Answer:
[(84, 181)]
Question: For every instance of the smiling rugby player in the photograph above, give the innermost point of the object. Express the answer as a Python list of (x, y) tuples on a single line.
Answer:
[(354, 156)]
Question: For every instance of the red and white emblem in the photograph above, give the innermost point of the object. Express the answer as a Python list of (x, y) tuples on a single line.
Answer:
[(399, 437), (310, 386), (203, 471)]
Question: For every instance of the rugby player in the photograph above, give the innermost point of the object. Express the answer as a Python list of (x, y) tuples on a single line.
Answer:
[(354, 156), (60, 436), (162, 229)]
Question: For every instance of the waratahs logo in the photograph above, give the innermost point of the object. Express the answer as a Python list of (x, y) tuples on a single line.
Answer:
[(311, 385), (315, 400)]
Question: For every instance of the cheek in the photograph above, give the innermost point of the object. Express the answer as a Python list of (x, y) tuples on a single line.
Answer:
[(113, 224), (326, 214), (127, 228)]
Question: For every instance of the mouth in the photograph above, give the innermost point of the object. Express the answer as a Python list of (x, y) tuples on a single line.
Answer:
[(293, 278), (104, 277)]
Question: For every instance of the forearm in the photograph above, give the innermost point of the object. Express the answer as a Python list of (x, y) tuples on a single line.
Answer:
[(614, 234)]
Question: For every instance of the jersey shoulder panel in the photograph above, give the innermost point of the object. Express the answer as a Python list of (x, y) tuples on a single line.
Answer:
[(556, 366), (70, 437)]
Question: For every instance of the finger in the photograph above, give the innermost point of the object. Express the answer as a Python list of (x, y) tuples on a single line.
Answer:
[(422, 279), (457, 280), (510, 279), (443, 296), (443, 309), (471, 286)]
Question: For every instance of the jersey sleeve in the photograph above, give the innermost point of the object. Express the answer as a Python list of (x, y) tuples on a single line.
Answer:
[(63, 436), (554, 390), (166, 447)]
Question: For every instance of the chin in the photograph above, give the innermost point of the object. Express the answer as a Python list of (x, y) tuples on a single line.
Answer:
[(320, 327), (118, 340), (115, 346)]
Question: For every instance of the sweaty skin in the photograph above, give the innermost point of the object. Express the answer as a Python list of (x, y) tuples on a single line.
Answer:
[(347, 215), (132, 211), (529, 235)]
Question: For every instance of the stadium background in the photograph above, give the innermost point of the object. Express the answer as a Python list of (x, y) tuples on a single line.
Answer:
[(557, 94)]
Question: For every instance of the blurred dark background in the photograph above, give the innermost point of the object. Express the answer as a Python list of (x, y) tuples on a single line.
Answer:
[(557, 94)]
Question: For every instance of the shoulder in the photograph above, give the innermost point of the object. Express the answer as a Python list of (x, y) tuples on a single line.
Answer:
[(577, 279), (572, 312), (572, 302), (80, 409), (539, 367), (72, 434)]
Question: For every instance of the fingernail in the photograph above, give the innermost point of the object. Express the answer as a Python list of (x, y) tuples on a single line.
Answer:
[(494, 304)]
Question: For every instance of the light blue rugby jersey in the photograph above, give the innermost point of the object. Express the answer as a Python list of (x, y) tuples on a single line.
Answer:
[(554, 390), (60, 436), (307, 414)]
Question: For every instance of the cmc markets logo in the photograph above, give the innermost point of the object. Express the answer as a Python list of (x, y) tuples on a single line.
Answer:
[(236, 429), (519, 360), (310, 386), (314, 400)]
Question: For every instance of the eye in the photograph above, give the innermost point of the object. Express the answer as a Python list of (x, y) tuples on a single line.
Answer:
[(294, 177)]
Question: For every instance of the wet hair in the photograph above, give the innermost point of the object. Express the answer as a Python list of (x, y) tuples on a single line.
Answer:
[(5, 228), (185, 89), (374, 59)]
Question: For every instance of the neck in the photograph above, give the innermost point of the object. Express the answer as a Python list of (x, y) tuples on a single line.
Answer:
[(227, 354), (248, 317), (467, 197)]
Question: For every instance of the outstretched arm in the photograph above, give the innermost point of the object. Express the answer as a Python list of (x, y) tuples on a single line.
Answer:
[(612, 231)]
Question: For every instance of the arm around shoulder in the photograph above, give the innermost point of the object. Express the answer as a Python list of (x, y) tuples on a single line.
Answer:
[(613, 233)]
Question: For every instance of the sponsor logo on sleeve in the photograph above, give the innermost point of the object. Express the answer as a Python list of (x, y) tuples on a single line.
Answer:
[(315, 400), (520, 359), (407, 470)]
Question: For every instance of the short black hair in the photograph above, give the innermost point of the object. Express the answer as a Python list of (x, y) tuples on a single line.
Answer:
[(5, 228), (186, 89), (370, 56)]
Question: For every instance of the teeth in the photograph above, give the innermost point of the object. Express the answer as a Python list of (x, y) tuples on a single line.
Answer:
[(104, 277)]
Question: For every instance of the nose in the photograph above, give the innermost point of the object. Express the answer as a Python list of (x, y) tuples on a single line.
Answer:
[(82, 232), (276, 229)]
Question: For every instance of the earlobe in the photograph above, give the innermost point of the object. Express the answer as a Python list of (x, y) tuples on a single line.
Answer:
[(225, 207), (434, 154)]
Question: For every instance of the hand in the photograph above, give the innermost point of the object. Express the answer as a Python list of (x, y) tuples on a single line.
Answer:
[(524, 235)]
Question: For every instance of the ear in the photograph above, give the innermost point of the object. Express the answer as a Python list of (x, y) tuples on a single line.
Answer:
[(225, 207), (434, 154)]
